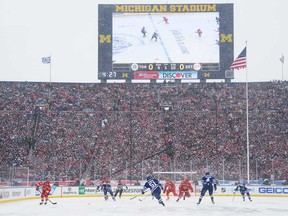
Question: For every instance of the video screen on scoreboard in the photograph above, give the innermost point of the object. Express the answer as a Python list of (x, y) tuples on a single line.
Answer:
[(159, 38), (178, 38)]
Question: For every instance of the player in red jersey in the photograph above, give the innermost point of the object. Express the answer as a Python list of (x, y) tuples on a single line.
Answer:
[(169, 187), (165, 19), (104, 179), (44, 188), (184, 188)]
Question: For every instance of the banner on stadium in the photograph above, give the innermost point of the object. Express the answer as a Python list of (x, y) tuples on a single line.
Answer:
[(146, 75), (178, 75)]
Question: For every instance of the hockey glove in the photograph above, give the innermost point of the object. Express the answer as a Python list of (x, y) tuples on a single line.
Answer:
[(215, 187), (98, 188)]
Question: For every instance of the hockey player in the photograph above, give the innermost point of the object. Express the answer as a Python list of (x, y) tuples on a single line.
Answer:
[(208, 183), (107, 188), (243, 189), (143, 31), (44, 188), (119, 189), (217, 20), (199, 32), (184, 188), (155, 186), (154, 36), (165, 19), (169, 187)]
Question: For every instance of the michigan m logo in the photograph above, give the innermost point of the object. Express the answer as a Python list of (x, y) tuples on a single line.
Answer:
[(226, 38), (125, 75), (206, 75), (105, 38)]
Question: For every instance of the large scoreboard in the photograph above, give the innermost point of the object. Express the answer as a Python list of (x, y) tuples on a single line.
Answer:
[(165, 41)]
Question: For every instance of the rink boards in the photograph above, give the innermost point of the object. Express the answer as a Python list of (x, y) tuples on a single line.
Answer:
[(9, 194)]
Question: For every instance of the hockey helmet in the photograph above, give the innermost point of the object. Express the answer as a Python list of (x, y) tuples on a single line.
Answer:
[(148, 178)]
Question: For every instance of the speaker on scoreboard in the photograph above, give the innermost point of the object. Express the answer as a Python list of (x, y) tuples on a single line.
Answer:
[(229, 74)]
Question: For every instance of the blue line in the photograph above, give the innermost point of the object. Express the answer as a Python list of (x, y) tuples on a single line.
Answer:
[(162, 44)]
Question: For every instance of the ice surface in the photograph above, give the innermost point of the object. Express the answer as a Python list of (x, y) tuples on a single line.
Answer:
[(177, 42), (125, 206)]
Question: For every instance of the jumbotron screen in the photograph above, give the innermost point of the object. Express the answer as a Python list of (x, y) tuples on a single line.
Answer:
[(165, 41)]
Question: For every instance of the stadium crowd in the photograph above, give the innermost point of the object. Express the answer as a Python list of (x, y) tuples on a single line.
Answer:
[(75, 130)]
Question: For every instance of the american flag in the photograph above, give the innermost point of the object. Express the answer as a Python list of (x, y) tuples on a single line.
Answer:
[(240, 61), (46, 60)]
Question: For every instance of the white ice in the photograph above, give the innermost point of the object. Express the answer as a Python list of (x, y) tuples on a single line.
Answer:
[(148, 206), (177, 42)]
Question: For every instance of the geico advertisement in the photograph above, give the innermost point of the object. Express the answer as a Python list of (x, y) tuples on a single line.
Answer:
[(273, 190), (177, 75)]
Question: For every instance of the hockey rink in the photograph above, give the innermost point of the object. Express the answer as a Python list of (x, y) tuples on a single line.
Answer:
[(177, 41), (126, 207)]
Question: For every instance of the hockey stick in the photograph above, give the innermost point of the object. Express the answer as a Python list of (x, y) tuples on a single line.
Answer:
[(134, 197), (233, 196), (137, 196), (145, 197), (54, 203)]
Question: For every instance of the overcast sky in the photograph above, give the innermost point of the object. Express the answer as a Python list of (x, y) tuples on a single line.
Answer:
[(67, 29)]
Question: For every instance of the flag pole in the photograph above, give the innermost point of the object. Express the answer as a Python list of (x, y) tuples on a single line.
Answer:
[(247, 121), (50, 81), (50, 68), (241, 62), (282, 61)]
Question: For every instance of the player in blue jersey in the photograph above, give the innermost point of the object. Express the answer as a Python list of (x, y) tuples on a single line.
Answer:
[(143, 31), (208, 183), (107, 188), (156, 187), (154, 36), (243, 189)]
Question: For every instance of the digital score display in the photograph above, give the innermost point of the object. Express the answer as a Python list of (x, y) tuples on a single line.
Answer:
[(183, 41)]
